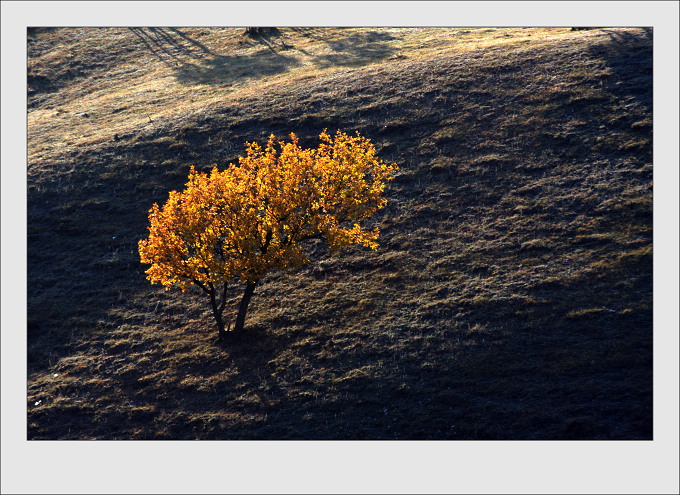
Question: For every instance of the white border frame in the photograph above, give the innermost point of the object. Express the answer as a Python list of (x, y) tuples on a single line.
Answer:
[(340, 467)]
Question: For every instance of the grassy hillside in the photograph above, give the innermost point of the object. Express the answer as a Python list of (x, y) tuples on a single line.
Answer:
[(511, 296)]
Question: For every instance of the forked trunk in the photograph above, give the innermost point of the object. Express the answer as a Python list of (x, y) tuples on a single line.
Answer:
[(243, 308), (218, 317)]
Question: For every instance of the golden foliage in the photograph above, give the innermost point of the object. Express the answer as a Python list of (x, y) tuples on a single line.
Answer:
[(251, 218)]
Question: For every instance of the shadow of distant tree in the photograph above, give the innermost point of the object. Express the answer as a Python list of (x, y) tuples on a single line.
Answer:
[(170, 45), (196, 64), (225, 69), (357, 49)]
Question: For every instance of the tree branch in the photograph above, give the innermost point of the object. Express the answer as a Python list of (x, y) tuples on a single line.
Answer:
[(264, 248), (223, 301), (201, 285)]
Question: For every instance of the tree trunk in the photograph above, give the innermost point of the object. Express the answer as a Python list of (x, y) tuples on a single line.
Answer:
[(243, 308), (218, 317)]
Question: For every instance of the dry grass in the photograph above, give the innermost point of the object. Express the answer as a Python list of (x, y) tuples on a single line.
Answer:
[(128, 80), (511, 297)]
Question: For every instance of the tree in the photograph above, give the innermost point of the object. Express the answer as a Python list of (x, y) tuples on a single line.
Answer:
[(254, 217)]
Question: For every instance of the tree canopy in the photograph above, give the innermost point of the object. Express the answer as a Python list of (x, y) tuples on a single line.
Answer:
[(253, 217)]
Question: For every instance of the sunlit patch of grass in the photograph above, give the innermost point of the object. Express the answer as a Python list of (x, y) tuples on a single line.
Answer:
[(584, 313)]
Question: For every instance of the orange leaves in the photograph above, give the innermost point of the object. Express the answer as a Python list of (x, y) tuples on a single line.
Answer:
[(252, 217)]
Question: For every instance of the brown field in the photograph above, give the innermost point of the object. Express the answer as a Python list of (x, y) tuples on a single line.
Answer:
[(510, 298)]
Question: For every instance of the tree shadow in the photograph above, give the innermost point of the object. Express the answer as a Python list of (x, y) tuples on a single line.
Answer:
[(357, 49), (170, 45), (227, 69), (194, 63)]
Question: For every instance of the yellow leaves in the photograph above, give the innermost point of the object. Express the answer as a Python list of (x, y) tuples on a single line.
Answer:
[(252, 217)]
